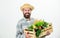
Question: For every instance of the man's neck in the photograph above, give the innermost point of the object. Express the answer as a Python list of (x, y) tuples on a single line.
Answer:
[(28, 19)]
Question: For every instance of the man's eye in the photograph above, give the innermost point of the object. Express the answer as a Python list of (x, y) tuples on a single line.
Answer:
[(28, 10), (25, 10)]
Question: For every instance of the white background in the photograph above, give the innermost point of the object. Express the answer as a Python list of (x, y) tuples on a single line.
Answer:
[(10, 14)]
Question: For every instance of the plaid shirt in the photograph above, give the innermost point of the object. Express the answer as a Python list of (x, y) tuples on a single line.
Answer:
[(22, 24)]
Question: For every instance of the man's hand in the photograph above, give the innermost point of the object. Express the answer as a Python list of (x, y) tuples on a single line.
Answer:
[(27, 35), (47, 33)]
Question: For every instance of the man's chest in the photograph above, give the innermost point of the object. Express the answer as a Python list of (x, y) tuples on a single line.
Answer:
[(26, 24)]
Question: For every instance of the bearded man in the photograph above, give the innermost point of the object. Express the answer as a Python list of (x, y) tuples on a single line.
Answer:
[(25, 22)]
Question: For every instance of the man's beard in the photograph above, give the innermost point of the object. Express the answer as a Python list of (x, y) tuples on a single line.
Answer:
[(27, 16)]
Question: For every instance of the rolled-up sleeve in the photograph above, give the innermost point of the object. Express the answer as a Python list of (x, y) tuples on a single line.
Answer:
[(19, 30)]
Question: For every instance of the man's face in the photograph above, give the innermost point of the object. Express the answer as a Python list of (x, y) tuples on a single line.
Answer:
[(27, 12)]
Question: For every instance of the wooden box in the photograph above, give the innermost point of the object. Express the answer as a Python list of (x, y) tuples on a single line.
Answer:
[(43, 33)]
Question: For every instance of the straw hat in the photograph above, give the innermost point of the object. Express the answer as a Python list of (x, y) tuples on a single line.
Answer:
[(26, 5)]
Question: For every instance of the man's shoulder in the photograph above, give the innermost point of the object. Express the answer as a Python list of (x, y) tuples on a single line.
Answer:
[(21, 20), (33, 19)]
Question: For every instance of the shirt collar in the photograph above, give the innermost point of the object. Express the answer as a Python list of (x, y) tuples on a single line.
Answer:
[(26, 19)]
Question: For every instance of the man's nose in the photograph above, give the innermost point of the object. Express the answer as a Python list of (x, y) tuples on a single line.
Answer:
[(27, 11)]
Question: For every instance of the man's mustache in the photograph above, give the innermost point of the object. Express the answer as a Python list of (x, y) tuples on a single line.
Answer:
[(27, 13)]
